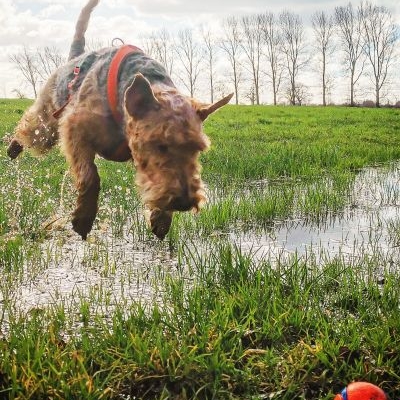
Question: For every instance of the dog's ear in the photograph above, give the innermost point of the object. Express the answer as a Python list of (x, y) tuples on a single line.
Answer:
[(204, 111), (139, 98)]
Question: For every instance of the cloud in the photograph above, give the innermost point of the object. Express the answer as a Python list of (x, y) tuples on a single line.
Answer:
[(127, 28), (52, 11), (51, 22), (6, 9)]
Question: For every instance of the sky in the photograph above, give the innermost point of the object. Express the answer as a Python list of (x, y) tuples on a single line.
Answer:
[(39, 23)]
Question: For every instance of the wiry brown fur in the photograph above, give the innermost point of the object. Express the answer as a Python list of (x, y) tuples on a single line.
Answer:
[(37, 129), (166, 152), (162, 133)]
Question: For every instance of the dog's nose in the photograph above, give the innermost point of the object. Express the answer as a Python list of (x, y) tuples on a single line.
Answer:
[(182, 203)]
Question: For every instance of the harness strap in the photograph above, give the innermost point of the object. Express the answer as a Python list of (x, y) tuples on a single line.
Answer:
[(57, 113), (112, 78), (112, 82), (70, 86)]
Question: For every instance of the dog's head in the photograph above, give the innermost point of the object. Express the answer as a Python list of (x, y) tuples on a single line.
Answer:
[(165, 135)]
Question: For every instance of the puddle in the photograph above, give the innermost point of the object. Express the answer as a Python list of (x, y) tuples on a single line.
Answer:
[(112, 270), (361, 230), (107, 269), (354, 235), (104, 275)]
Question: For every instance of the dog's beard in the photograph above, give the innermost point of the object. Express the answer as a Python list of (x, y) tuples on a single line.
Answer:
[(161, 195)]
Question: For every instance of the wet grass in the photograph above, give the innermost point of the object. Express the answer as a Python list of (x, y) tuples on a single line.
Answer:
[(246, 330), (196, 316)]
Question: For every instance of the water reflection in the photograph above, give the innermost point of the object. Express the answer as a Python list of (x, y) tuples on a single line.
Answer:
[(361, 230), (353, 234)]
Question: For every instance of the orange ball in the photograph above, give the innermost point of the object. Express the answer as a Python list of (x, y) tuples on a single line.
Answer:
[(361, 391)]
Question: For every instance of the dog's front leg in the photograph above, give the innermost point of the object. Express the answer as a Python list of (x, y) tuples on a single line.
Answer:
[(80, 156), (88, 184)]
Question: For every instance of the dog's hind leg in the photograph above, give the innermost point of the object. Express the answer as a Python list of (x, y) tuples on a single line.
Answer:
[(80, 156), (78, 43)]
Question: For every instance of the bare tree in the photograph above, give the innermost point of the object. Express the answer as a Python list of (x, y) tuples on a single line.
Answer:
[(301, 94), (230, 43), (160, 46), (293, 47), (252, 47), (251, 95), (211, 49), (190, 54), (94, 44), (350, 28), (18, 93), (49, 59), (381, 35), (148, 44), (27, 64), (221, 89), (273, 41), (323, 26)]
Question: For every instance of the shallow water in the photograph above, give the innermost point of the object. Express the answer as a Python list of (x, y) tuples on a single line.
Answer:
[(361, 230), (108, 270), (103, 268), (352, 235)]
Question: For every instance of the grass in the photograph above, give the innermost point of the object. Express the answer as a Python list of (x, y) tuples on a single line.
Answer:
[(305, 142), (197, 316), (246, 331)]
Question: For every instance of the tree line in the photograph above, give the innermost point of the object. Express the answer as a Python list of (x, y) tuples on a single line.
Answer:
[(266, 53)]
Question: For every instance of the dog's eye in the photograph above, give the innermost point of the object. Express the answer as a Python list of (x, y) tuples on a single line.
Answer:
[(162, 148)]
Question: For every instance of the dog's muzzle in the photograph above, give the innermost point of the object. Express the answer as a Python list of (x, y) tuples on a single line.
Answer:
[(182, 204)]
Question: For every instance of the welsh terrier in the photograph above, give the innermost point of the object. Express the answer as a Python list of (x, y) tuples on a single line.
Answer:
[(120, 104)]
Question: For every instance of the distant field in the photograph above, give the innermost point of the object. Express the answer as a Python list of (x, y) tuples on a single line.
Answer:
[(203, 314), (255, 142), (299, 142)]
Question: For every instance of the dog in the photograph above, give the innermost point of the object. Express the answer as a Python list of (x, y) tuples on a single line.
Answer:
[(120, 104)]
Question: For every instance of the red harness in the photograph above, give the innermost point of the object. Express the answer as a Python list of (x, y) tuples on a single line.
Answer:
[(112, 79), (112, 82)]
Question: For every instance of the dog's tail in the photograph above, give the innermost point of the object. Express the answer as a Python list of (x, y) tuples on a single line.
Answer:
[(78, 43)]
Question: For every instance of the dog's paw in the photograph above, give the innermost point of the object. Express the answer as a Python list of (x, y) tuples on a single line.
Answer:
[(160, 222), (14, 149), (82, 226)]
